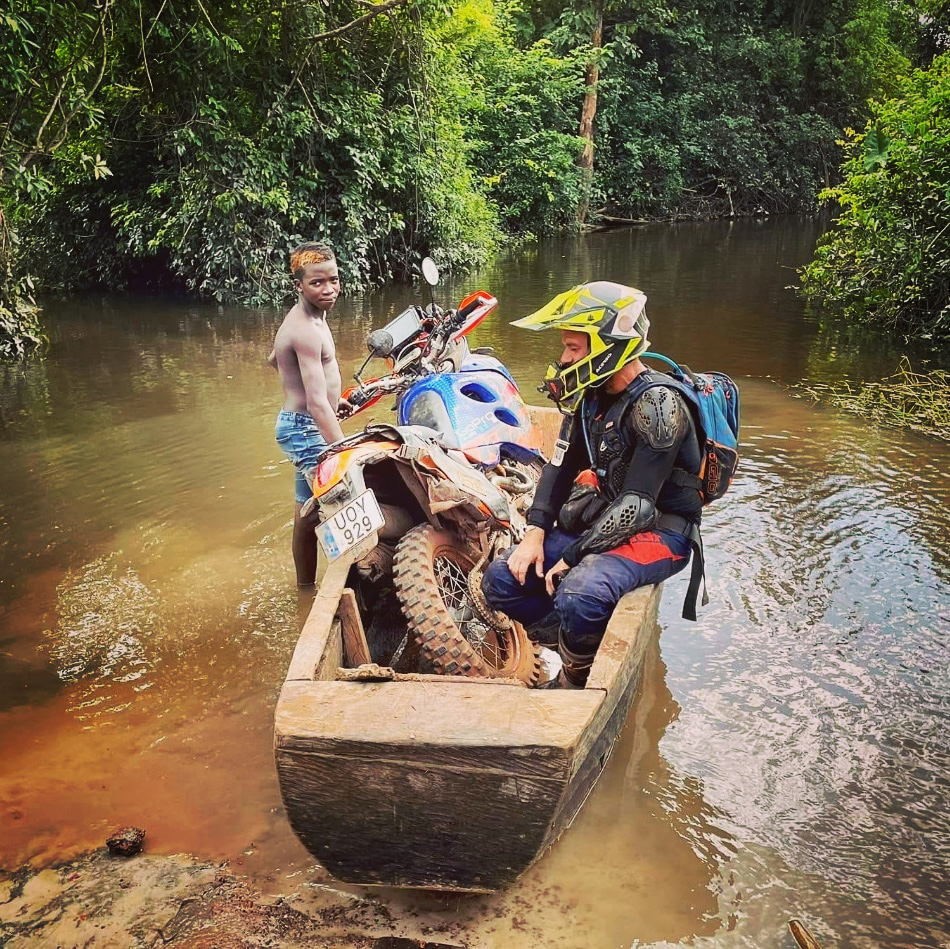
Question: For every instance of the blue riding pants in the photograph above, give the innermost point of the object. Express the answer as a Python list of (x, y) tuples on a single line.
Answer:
[(586, 597)]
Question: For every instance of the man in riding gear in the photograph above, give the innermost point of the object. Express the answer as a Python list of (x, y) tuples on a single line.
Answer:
[(616, 508)]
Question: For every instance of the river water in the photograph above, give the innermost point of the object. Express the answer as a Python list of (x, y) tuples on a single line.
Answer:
[(790, 752)]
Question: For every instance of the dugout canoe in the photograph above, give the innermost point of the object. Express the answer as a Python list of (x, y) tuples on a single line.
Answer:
[(441, 782)]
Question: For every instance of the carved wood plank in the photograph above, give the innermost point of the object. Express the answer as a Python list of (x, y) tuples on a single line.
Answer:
[(332, 657), (628, 634), (354, 636), (457, 830), (419, 719), (316, 630), (548, 419)]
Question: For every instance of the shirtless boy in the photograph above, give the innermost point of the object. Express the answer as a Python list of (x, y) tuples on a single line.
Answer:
[(305, 357)]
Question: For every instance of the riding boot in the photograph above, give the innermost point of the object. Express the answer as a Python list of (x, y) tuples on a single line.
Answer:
[(545, 631), (560, 681), (574, 669)]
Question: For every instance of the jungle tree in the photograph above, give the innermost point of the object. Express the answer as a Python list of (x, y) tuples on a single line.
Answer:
[(886, 260), (53, 62)]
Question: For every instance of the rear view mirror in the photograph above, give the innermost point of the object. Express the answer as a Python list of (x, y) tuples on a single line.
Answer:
[(430, 271), (379, 343)]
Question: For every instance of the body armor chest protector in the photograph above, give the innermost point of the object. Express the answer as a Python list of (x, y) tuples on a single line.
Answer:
[(609, 451), (610, 441)]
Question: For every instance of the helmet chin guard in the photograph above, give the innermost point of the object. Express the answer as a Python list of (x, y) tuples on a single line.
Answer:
[(553, 387), (612, 315)]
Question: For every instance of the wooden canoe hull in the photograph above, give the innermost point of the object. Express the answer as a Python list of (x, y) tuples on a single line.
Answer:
[(442, 783), (439, 781)]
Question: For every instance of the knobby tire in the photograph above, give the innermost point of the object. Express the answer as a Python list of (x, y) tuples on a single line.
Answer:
[(430, 571)]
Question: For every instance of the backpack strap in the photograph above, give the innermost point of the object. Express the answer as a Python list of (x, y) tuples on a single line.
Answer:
[(697, 573), (683, 479)]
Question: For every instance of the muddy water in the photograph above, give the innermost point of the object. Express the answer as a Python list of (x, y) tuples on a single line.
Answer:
[(789, 757)]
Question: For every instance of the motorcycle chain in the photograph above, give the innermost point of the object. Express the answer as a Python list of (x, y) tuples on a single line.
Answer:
[(497, 621)]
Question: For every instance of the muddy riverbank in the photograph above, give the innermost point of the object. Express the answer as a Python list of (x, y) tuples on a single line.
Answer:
[(101, 900)]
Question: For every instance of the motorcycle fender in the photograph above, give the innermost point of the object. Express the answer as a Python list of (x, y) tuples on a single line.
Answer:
[(469, 484), (340, 466)]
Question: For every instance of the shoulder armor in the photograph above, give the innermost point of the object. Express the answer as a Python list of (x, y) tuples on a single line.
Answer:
[(659, 416)]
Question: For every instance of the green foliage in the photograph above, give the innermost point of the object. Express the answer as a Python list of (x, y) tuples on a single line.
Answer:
[(171, 145), (876, 146), (253, 138), (20, 330), (886, 260), (906, 399), (52, 63), (520, 112), (734, 112), (708, 110)]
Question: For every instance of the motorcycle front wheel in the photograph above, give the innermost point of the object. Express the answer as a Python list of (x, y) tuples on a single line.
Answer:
[(430, 572)]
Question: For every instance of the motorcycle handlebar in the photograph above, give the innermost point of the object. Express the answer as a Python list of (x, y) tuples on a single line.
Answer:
[(381, 344), (469, 308), (366, 393)]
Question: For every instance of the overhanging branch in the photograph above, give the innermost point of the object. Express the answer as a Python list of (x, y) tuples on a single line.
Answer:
[(374, 10)]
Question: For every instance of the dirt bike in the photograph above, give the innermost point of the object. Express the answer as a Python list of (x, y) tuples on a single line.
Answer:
[(424, 504)]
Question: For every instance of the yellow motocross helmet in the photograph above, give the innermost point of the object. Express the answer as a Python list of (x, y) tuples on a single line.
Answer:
[(615, 319)]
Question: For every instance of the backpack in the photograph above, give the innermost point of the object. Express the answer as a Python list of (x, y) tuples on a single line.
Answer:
[(715, 401)]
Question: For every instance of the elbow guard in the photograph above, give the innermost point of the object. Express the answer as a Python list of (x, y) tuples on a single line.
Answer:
[(628, 515)]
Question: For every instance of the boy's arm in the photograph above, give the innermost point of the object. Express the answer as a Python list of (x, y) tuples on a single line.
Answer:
[(272, 359), (309, 359)]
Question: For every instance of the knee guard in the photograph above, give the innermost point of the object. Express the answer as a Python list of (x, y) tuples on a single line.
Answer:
[(628, 515)]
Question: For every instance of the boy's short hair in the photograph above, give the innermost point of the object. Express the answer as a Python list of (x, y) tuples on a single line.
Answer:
[(310, 253)]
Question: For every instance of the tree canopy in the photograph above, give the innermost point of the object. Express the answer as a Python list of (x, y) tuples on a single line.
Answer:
[(178, 146)]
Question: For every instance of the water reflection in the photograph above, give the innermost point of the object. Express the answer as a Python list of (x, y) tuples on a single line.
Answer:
[(824, 653)]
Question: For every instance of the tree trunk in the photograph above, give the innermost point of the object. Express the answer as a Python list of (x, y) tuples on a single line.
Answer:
[(589, 109)]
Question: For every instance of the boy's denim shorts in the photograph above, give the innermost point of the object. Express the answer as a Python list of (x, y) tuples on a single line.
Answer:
[(298, 435)]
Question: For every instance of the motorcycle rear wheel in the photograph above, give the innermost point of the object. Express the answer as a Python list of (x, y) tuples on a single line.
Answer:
[(430, 572)]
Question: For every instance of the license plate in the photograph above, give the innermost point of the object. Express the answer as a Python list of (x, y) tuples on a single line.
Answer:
[(347, 527)]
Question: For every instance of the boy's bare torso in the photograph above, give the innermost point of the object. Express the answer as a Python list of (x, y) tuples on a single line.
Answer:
[(304, 347)]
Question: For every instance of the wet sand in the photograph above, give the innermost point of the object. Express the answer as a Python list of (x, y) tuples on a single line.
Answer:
[(178, 901)]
